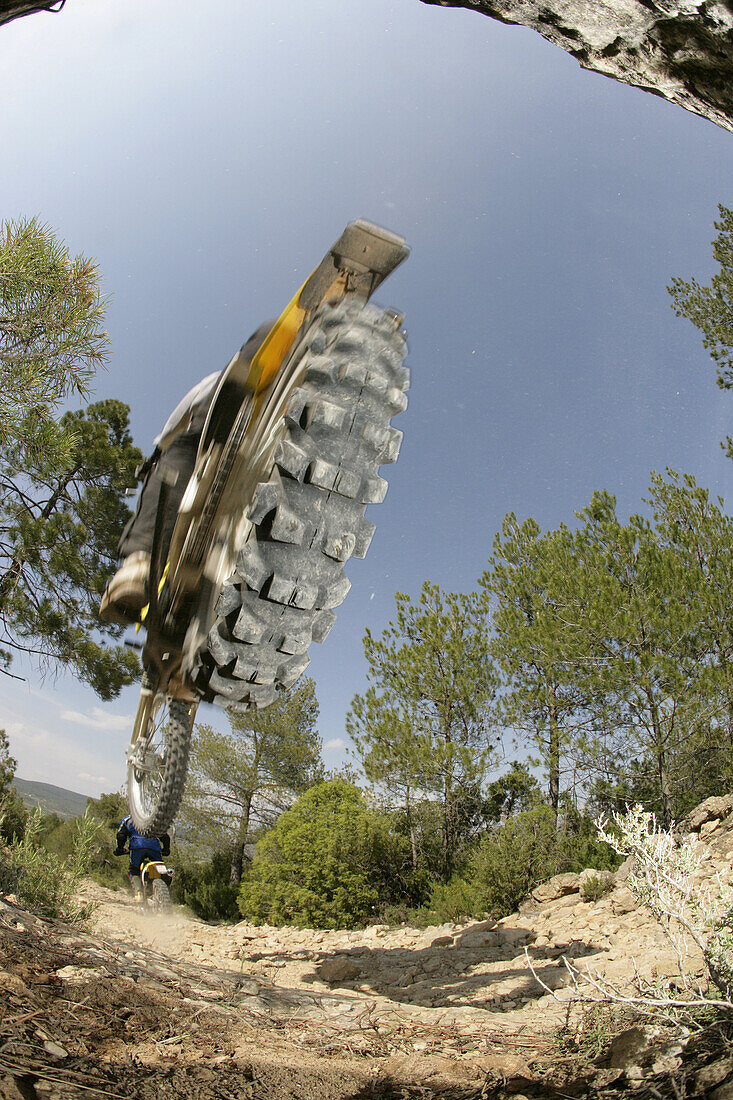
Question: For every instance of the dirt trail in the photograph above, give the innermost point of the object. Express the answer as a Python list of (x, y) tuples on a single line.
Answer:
[(469, 976), (143, 1008), (146, 1007)]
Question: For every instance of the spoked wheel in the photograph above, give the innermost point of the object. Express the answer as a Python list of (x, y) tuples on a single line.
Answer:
[(307, 518), (161, 899), (157, 762)]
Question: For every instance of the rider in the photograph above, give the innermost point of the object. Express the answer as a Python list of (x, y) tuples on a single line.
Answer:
[(171, 462), (140, 848)]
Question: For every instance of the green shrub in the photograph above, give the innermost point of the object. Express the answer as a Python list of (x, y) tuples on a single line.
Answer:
[(13, 815), (329, 862), (106, 868), (511, 860), (582, 846), (528, 849), (449, 902), (455, 901), (594, 887), (109, 809), (57, 836), (203, 885), (41, 880)]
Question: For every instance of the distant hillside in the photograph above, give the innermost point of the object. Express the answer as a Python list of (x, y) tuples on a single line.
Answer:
[(52, 800)]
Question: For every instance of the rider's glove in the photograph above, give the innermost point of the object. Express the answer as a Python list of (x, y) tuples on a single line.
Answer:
[(119, 851)]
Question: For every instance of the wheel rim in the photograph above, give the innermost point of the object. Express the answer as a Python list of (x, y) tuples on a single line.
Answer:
[(146, 760)]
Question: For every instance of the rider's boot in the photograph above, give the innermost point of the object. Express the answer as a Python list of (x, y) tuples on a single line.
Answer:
[(127, 593)]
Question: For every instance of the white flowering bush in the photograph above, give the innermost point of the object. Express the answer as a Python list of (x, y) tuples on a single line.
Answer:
[(666, 878)]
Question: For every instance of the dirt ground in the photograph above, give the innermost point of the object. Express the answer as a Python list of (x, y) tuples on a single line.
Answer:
[(144, 1006)]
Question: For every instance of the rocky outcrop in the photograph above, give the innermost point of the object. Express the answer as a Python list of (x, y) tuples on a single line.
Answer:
[(679, 49), (13, 9), (712, 810)]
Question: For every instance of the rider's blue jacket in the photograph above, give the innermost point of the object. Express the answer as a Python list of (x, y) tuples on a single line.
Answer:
[(140, 845)]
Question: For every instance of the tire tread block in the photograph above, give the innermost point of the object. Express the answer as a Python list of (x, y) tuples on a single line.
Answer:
[(308, 518), (292, 592)]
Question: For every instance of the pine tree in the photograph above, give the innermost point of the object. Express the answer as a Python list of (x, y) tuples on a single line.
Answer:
[(710, 308), (51, 337), (13, 813), (60, 521), (640, 667), (242, 780), (425, 725), (697, 530), (529, 587)]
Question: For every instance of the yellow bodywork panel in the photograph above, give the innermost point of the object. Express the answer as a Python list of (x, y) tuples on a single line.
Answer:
[(151, 870), (270, 355)]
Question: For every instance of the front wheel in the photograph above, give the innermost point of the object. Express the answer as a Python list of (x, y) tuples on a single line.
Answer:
[(307, 519), (157, 762)]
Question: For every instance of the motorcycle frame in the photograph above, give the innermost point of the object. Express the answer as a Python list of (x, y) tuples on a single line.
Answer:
[(177, 627)]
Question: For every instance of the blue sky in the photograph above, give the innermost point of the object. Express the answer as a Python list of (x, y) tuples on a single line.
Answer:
[(207, 155)]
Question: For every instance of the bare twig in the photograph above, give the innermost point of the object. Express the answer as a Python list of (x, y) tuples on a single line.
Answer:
[(62, 1075)]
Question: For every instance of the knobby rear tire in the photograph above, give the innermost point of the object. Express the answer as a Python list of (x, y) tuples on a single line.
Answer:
[(308, 517), (161, 901)]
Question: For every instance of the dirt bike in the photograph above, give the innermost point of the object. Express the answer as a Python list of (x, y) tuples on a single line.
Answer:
[(155, 880), (286, 465)]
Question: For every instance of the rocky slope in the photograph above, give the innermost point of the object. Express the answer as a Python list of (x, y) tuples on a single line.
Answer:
[(174, 1008), (679, 49)]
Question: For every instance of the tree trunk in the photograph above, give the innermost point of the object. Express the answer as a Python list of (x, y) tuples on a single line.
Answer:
[(448, 809), (9, 579), (665, 785), (683, 52), (664, 782), (411, 827), (553, 760), (235, 870), (447, 832)]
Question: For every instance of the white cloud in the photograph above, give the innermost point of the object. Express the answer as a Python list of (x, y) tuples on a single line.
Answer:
[(95, 718), (100, 780), (47, 755), (26, 731), (335, 743), (98, 719)]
